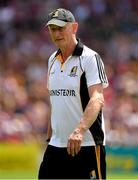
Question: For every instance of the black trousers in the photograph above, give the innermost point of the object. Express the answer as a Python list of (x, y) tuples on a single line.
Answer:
[(57, 164)]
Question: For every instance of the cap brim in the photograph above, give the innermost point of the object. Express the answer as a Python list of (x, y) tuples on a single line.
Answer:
[(56, 22)]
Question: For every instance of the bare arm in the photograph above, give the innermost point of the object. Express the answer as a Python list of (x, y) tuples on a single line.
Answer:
[(49, 129), (91, 112)]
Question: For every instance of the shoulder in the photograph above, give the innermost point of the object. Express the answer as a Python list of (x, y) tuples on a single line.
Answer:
[(89, 56), (87, 52), (51, 58)]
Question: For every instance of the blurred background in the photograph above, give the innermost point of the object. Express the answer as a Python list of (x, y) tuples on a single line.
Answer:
[(110, 27)]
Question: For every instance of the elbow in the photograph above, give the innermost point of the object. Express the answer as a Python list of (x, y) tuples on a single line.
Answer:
[(98, 102)]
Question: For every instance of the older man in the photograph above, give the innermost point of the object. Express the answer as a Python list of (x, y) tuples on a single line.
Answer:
[(76, 79)]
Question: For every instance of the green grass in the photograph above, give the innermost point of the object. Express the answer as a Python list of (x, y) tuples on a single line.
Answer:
[(18, 175), (122, 176), (33, 175)]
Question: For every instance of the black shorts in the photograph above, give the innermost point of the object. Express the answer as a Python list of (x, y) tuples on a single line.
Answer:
[(57, 164)]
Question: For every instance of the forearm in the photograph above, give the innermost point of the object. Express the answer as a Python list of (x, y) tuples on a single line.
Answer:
[(49, 129), (90, 114)]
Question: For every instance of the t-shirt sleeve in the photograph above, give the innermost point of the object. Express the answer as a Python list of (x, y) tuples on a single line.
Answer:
[(95, 71)]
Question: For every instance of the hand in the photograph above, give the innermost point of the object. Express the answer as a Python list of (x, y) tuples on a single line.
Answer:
[(74, 143)]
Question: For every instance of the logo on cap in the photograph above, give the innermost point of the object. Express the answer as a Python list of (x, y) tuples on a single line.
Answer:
[(55, 14)]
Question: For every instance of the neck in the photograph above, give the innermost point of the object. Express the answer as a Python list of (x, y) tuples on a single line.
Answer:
[(68, 50)]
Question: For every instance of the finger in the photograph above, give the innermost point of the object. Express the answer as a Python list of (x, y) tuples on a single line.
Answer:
[(77, 147), (72, 149)]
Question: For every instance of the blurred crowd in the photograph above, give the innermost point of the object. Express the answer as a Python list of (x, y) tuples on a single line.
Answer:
[(110, 27)]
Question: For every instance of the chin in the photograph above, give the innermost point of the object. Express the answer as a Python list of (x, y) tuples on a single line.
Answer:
[(60, 44)]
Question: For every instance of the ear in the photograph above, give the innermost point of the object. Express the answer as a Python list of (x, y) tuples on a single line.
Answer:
[(75, 27)]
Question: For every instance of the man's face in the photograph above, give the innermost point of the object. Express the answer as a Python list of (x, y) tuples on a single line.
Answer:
[(61, 36)]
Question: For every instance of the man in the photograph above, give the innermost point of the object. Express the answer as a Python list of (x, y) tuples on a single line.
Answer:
[(76, 79)]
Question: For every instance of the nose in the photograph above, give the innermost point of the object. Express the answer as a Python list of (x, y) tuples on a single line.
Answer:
[(57, 32)]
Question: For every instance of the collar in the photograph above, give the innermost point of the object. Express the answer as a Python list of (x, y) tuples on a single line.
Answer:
[(77, 51)]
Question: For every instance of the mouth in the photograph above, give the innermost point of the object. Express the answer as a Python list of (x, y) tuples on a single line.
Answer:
[(58, 39)]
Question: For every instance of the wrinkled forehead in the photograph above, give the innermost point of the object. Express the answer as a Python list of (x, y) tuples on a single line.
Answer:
[(53, 26), (68, 25)]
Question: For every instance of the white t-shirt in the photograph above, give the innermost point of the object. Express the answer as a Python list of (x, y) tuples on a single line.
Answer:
[(68, 94)]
